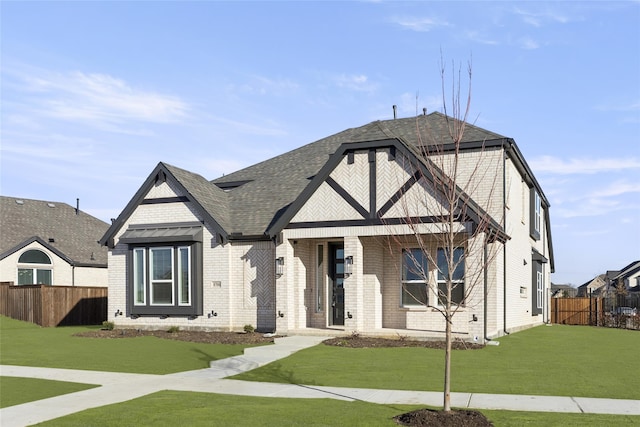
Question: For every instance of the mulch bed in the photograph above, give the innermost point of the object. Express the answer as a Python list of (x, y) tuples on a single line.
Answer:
[(190, 336), (359, 341), (351, 341), (454, 418)]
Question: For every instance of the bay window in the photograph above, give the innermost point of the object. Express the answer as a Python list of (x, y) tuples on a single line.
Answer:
[(165, 270)]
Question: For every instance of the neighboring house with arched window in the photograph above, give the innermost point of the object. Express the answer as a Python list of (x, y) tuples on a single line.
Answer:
[(50, 243)]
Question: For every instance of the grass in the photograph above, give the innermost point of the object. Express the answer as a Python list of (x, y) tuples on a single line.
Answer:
[(170, 408), (26, 344), (14, 390), (557, 361)]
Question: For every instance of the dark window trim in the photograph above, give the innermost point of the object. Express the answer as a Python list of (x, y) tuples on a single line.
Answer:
[(195, 309), (536, 267), (535, 234)]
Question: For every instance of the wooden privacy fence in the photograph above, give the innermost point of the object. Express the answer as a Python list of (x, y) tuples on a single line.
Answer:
[(576, 311), (54, 305)]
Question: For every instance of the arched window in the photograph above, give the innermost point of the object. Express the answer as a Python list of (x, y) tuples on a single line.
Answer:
[(34, 267)]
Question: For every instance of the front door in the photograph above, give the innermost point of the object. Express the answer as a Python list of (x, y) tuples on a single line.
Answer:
[(336, 276)]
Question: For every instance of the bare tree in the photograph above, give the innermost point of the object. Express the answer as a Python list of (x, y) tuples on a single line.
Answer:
[(449, 251)]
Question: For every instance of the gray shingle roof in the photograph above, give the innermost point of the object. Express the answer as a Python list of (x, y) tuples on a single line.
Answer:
[(274, 184), (75, 236), (212, 199)]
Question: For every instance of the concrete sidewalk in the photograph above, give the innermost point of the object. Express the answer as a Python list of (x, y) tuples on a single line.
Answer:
[(120, 387)]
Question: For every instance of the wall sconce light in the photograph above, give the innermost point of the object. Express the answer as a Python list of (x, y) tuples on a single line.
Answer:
[(279, 266), (118, 313), (524, 262), (212, 314), (280, 314), (474, 318), (349, 315), (348, 265)]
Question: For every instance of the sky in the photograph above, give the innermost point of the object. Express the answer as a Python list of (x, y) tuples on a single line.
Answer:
[(95, 94)]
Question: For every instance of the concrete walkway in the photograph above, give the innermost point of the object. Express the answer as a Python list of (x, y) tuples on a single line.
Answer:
[(120, 387)]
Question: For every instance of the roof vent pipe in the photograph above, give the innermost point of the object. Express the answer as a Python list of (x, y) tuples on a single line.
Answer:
[(77, 206), (395, 110), (424, 111)]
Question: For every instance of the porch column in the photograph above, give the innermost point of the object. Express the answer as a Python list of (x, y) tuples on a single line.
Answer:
[(354, 286), (285, 295)]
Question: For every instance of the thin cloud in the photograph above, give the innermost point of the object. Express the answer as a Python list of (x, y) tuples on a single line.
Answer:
[(420, 24), (261, 85), (538, 19), (478, 37), (528, 43), (554, 165), (617, 188), (100, 100), (356, 82)]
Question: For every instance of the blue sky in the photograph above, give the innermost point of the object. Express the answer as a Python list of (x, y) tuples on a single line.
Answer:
[(95, 94)]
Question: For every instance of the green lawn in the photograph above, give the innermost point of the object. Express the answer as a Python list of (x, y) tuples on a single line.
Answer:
[(556, 360), (14, 390), (170, 408), (26, 344)]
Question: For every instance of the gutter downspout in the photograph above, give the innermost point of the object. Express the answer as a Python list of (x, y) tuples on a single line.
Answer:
[(504, 245), (486, 338)]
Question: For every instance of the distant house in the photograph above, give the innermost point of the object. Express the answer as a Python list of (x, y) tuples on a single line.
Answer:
[(629, 277), (563, 291), (596, 286), (301, 243), (605, 284), (50, 243)]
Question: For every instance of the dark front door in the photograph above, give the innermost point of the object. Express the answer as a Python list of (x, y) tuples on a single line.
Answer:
[(336, 276)]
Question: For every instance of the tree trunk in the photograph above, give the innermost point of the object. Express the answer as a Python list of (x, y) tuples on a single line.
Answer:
[(447, 366)]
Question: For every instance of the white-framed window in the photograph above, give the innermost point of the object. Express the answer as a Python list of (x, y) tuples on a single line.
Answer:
[(35, 268), (184, 275), (538, 213), (139, 276), (539, 290), (414, 278), (535, 214), (457, 277), (162, 276), (320, 278)]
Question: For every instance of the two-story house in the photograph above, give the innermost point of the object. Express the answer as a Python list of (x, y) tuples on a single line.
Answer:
[(327, 237)]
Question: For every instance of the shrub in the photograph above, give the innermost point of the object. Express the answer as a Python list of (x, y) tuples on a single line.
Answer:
[(248, 329), (108, 326), (173, 329)]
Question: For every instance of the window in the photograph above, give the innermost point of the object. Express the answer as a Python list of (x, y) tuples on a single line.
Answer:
[(414, 277), (537, 289), (536, 214), (163, 279), (34, 267), (139, 282), (457, 278), (161, 271), (164, 269), (320, 278)]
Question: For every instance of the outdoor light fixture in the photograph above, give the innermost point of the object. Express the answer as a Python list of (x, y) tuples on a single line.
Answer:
[(118, 313), (212, 314), (348, 265), (279, 266), (280, 314)]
